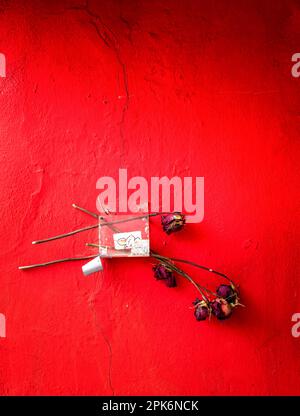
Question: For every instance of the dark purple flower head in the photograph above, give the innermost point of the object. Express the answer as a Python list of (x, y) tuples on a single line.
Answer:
[(162, 272), (171, 281), (201, 313), (172, 222), (196, 301), (221, 308), (201, 310), (227, 292)]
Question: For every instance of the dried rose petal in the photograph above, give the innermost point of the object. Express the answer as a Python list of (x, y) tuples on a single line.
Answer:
[(196, 301), (221, 308), (171, 281), (172, 222), (162, 272), (201, 313), (227, 292)]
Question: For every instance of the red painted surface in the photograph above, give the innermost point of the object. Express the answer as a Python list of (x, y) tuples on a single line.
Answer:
[(160, 88)]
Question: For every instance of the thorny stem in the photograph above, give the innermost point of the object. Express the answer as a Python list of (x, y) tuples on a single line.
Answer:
[(98, 245), (204, 268), (56, 261), (93, 245), (168, 263), (90, 227), (154, 214), (93, 214), (57, 237), (109, 224)]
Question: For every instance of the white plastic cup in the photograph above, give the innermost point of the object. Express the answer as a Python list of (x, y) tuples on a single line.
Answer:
[(93, 266)]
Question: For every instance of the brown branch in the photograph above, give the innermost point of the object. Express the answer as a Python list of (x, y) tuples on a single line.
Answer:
[(48, 263)]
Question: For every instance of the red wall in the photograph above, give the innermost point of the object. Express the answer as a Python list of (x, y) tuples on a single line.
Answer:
[(188, 88)]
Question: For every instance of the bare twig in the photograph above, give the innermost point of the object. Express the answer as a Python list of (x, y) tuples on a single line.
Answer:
[(48, 263), (57, 237), (93, 214)]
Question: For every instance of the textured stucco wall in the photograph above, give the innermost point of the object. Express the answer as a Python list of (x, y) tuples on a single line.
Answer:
[(188, 88)]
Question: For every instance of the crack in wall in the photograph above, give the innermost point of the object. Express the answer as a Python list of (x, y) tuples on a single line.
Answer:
[(91, 304), (108, 37)]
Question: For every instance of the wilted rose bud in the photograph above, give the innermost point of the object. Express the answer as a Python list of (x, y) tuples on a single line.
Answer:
[(172, 222), (162, 272), (227, 292), (171, 281), (201, 311), (221, 308)]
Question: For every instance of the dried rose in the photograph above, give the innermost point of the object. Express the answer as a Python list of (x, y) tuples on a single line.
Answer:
[(171, 281), (162, 272), (227, 292), (201, 311), (221, 308), (172, 222)]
